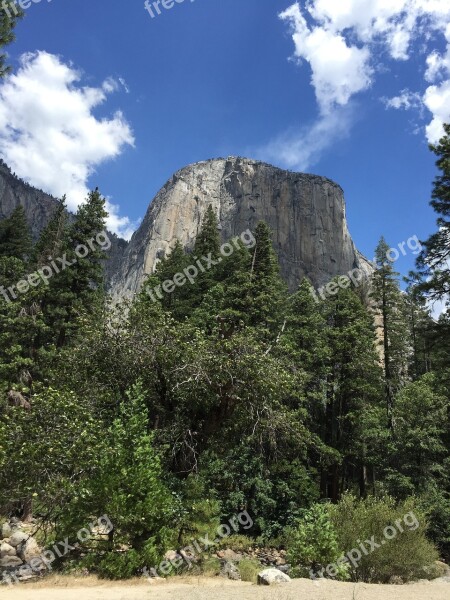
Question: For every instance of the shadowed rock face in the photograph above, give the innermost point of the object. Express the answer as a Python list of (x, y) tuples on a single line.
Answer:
[(14, 192), (39, 208), (305, 212)]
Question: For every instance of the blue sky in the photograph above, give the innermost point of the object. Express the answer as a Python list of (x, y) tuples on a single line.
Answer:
[(354, 95)]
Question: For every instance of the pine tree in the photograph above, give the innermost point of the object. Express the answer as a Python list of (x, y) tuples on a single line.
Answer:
[(15, 238), (433, 262), (420, 328), (208, 240), (9, 16), (51, 241), (389, 303), (225, 306), (353, 394), (177, 302), (267, 289), (78, 288), (305, 341)]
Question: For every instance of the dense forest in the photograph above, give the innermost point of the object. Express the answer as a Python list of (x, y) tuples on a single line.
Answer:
[(200, 399), (323, 419)]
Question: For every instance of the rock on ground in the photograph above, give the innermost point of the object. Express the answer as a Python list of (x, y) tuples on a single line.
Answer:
[(272, 577)]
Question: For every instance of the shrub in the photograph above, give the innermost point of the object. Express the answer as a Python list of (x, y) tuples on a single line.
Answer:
[(249, 569), (436, 504), (237, 543), (313, 543), (407, 555), (116, 565), (211, 567), (129, 487)]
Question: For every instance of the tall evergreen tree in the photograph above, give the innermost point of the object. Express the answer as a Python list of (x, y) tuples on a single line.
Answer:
[(267, 289), (178, 301), (79, 287), (208, 239), (306, 342), (433, 262), (51, 241), (353, 394), (389, 303), (15, 238)]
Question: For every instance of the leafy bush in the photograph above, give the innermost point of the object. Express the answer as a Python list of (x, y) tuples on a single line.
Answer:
[(199, 513), (407, 555), (115, 565), (249, 569), (211, 567), (436, 504), (237, 543), (313, 542), (128, 486)]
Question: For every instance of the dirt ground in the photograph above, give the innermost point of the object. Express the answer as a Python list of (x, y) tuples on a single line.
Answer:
[(217, 589)]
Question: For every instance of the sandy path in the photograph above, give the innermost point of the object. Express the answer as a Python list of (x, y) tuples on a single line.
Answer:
[(214, 589)]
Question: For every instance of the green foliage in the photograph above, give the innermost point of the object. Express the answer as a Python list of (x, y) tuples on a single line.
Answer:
[(200, 515), (417, 452), (390, 304), (313, 543), (77, 290), (127, 485), (15, 239), (249, 569), (405, 556), (237, 543), (210, 567), (248, 399), (8, 21), (46, 451), (435, 503), (433, 270)]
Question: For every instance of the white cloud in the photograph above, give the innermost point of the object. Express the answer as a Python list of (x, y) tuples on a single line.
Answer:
[(406, 101), (299, 149), (339, 70), (437, 100), (49, 134), (342, 42)]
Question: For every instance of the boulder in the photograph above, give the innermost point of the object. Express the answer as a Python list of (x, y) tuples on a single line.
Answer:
[(171, 555), (18, 537), (230, 555), (272, 577), (29, 550), (6, 530), (6, 550), (230, 571), (10, 562)]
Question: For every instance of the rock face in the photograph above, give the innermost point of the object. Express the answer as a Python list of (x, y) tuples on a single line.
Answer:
[(14, 192), (305, 212), (39, 208)]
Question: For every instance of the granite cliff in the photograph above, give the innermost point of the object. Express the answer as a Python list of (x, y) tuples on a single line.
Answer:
[(305, 212)]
